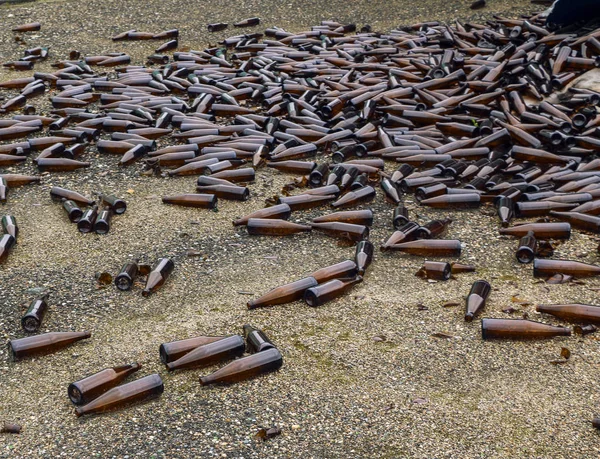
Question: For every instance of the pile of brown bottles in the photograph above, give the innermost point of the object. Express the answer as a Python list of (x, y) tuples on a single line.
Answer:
[(90, 220), (203, 351), (155, 276), (101, 391)]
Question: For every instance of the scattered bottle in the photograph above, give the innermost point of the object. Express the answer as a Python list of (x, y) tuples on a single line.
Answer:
[(159, 274), (208, 354), (32, 320), (246, 368), (480, 290), (256, 340), (89, 388), (44, 343), (519, 329)]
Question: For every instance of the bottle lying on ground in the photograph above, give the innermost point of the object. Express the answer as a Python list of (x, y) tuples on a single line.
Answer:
[(171, 351), (480, 290), (124, 280), (519, 329), (547, 268), (322, 293), (256, 340), (437, 270), (159, 274), (246, 368), (217, 351), (284, 294), (117, 397), (578, 313), (32, 320), (87, 389), (44, 344)]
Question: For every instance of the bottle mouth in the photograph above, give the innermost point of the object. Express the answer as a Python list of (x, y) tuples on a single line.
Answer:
[(311, 299), (75, 394), (123, 283), (84, 226), (101, 228), (164, 358), (119, 208), (30, 324)]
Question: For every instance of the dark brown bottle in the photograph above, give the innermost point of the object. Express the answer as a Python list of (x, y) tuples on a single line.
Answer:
[(540, 208), (118, 206), (305, 201), (322, 293), (60, 164), (102, 222), (406, 233), (232, 192), (579, 220), (284, 294), (73, 210), (519, 329), (140, 389), (250, 22), (32, 320), (527, 248), (217, 351), (171, 351), (124, 280), (15, 180), (256, 340), (293, 167), (9, 225), (280, 211), (6, 243), (274, 227), (245, 174), (159, 274), (246, 368), (204, 201), (87, 389), (547, 268), (87, 220), (392, 193), (363, 256), (433, 229), (57, 194), (458, 268), (541, 230), (578, 313), (449, 201), (400, 217), (480, 290), (437, 270), (430, 247), (357, 217), (216, 27), (3, 190), (44, 343), (343, 230), (354, 198), (343, 269), (505, 210)]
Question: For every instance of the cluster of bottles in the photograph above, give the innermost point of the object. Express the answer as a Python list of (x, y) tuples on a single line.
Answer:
[(90, 219), (155, 277), (249, 22), (207, 350)]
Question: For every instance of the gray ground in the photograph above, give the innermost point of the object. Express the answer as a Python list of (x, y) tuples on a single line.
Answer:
[(363, 376)]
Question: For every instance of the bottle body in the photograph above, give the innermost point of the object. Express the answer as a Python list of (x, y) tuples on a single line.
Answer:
[(32, 320), (174, 350), (44, 343), (246, 368), (159, 274), (91, 387), (519, 329), (217, 351), (480, 290)]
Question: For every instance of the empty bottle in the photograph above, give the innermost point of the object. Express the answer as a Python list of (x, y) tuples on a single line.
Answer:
[(356, 217), (102, 222), (280, 211), (430, 247), (343, 230), (519, 329), (217, 351), (118, 206), (480, 290), (174, 350), (400, 217), (322, 293), (284, 294), (432, 229), (578, 313), (44, 344), (32, 320), (87, 389), (58, 194), (527, 248), (3, 190), (159, 274), (256, 339), (87, 220), (117, 397), (274, 227), (540, 230), (363, 256), (73, 210), (547, 268), (345, 268), (204, 201), (354, 198), (9, 225), (246, 368), (124, 280), (438, 270), (6, 243)]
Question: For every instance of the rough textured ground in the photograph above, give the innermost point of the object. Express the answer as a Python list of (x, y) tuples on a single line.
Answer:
[(363, 376)]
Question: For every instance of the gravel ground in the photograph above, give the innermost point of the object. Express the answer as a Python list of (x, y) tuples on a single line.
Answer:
[(362, 376)]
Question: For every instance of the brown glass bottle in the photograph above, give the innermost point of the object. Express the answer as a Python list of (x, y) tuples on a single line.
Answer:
[(44, 343), (280, 211), (400, 217), (32, 320), (73, 211), (430, 247), (173, 350), (284, 294), (224, 349), (577, 313), (87, 389), (579, 220), (449, 201), (245, 174), (57, 194), (231, 192), (322, 293), (6, 243), (256, 340), (87, 220), (140, 389), (354, 198), (547, 268), (541, 230), (305, 201), (480, 290), (274, 227), (519, 329), (363, 256), (204, 201), (346, 268), (102, 222), (15, 180), (118, 206), (433, 229), (343, 230), (527, 248), (406, 233), (60, 164), (357, 217), (246, 368), (3, 190), (458, 268), (159, 274), (124, 280), (437, 270), (9, 225)]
